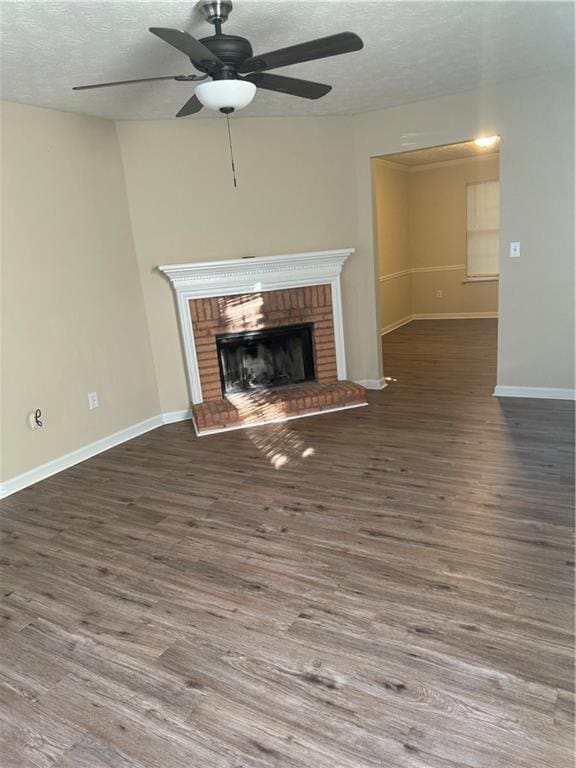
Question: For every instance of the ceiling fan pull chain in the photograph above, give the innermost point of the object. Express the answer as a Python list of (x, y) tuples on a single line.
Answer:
[(231, 150)]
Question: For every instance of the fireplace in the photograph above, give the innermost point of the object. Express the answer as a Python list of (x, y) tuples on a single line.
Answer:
[(263, 339), (262, 359)]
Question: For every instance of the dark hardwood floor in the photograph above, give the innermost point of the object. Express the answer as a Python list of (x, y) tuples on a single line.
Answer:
[(390, 586)]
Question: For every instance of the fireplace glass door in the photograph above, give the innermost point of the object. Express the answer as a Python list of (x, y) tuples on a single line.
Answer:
[(272, 357)]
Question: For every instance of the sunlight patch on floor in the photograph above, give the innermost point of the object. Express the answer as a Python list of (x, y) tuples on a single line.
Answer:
[(279, 443)]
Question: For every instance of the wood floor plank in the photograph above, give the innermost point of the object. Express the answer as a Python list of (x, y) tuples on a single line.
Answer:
[(390, 587)]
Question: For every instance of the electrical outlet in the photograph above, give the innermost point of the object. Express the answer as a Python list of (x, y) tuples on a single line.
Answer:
[(439, 294), (93, 400)]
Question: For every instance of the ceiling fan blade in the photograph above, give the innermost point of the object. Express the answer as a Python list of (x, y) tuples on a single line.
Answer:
[(187, 44), (291, 85), (192, 106), (334, 45), (184, 78)]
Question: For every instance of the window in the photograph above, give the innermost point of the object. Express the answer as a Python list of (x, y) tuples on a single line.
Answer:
[(483, 228)]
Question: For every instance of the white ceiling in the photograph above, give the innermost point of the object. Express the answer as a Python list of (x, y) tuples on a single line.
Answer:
[(413, 51)]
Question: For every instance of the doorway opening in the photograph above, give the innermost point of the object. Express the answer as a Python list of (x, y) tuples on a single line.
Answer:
[(437, 227)]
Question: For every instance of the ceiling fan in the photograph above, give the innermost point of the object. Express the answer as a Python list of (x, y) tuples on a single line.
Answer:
[(230, 71)]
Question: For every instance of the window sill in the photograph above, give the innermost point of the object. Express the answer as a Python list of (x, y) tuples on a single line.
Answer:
[(487, 279)]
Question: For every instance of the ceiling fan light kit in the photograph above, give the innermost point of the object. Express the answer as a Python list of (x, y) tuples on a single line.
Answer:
[(225, 95), (230, 70)]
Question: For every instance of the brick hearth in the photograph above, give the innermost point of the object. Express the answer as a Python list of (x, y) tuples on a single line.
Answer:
[(266, 406)]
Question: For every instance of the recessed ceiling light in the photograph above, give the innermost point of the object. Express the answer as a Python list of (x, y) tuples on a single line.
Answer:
[(486, 141)]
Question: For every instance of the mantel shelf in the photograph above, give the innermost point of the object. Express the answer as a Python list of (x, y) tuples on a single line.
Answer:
[(325, 263)]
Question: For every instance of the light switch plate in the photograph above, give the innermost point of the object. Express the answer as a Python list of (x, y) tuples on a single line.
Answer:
[(515, 250)]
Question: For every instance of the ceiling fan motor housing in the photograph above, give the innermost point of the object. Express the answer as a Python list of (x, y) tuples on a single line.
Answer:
[(230, 49)]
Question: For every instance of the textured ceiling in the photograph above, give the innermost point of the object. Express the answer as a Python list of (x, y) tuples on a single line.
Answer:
[(441, 154), (413, 51)]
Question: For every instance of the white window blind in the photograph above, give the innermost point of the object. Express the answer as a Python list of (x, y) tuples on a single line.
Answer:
[(483, 228)]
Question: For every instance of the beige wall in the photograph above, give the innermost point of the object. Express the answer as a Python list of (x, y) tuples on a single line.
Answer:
[(392, 239), (72, 318), (535, 119), (391, 209), (437, 205), (296, 193), (458, 298), (421, 225), (437, 234)]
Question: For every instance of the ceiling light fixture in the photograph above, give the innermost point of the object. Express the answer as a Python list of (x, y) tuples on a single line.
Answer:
[(225, 95), (483, 141)]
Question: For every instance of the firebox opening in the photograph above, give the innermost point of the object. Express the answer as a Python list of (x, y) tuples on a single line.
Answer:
[(272, 357)]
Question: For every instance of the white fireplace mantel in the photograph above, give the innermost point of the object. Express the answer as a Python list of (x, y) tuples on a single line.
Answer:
[(253, 275)]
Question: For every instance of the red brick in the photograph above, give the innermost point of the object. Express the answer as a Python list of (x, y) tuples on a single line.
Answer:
[(210, 377), (326, 363), (210, 382), (324, 327), (324, 343), (203, 325), (325, 368)]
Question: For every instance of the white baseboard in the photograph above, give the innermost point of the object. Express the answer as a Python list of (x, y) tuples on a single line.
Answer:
[(172, 417), (455, 316), (396, 324), (14, 484), (544, 393), (372, 383)]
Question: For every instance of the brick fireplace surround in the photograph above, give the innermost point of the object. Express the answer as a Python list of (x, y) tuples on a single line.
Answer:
[(205, 317)]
